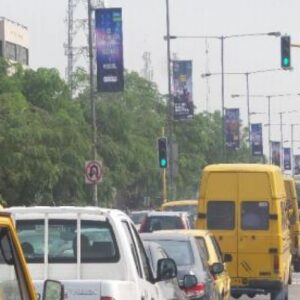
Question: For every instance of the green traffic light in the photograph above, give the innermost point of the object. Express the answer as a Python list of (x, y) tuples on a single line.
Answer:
[(286, 61), (163, 162)]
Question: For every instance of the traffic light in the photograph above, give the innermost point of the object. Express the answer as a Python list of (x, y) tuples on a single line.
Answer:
[(162, 152), (285, 52)]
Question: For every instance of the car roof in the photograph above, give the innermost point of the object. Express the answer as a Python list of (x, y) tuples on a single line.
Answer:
[(180, 202), (167, 213), (188, 232)]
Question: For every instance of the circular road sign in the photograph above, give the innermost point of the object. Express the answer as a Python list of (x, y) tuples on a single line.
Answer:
[(93, 172)]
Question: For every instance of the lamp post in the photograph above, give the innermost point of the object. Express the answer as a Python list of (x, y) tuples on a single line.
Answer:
[(222, 38), (281, 135), (269, 111), (246, 74)]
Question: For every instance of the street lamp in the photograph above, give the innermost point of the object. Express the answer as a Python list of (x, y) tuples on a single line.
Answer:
[(269, 111), (281, 134), (246, 74), (222, 38)]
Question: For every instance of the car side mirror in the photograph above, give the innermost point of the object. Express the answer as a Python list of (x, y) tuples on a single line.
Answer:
[(217, 268), (53, 290), (189, 281), (227, 257), (166, 269)]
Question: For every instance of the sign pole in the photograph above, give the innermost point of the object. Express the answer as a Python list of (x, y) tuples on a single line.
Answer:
[(92, 99)]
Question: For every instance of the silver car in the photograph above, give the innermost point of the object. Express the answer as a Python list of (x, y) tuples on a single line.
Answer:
[(168, 288), (189, 259)]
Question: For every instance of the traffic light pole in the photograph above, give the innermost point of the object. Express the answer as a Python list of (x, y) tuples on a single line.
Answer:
[(170, 106), (164, 178)]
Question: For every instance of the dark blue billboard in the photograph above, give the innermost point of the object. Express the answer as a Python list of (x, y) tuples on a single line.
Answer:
[(109, 50), (232, 128), (287, 159), (256, 139)]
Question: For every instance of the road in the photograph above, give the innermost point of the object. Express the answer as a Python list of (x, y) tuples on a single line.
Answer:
[(294, 290)]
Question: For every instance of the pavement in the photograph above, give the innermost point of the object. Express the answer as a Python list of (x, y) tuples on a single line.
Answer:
[(294, 290)]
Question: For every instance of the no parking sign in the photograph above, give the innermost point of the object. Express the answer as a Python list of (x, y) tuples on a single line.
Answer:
[(93, 172)]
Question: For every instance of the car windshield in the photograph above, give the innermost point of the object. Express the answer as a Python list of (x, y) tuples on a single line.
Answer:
[(180, 251), (162, 222)]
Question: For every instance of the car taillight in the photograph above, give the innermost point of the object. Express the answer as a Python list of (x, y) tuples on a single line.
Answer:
[(196, 291), (276, 263), (107, 298)]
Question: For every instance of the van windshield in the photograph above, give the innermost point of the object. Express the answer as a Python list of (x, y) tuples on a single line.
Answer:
[(220, 215), (97, 241), (255, 215)]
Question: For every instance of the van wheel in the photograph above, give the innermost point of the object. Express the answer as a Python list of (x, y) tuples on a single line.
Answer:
[(296, 265), (281, 294)]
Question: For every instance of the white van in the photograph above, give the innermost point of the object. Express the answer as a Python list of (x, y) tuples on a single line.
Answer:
[(96, 253)]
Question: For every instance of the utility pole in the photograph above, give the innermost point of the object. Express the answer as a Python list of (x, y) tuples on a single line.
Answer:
[(170, 103), (292, 148), (69, 50), (223, 96), (92, 99), (281, 142)]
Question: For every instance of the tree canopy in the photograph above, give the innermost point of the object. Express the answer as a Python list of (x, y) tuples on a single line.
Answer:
[(45, 139)]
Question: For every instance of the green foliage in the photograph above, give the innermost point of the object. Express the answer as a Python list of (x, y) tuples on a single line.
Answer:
[(45, 139)]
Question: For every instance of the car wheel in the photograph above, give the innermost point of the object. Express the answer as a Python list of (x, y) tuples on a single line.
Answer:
[(297, 266), (281, 294)]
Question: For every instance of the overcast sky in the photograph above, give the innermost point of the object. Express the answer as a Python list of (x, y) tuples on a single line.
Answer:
[(144, 28)]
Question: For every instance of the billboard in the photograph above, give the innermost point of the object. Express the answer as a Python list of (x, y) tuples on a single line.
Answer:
[(296, 164), (232, 128), (275, 148), (256, 139), (287, 159), (109, 50), (183, 90)]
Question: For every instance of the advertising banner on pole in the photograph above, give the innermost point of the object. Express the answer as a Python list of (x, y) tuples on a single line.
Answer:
[(256, 139), (183, 90), (296, 164), (109, 50), (232, 128), (275, 147), (287, 158)]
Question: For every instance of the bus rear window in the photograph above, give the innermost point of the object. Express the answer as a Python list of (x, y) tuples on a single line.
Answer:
[(220, 215)]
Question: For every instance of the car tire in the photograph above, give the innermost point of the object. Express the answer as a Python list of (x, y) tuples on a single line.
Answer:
[(296, 265), (281, 294)]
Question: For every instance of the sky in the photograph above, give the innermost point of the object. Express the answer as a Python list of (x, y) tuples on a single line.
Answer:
[(145, 26)]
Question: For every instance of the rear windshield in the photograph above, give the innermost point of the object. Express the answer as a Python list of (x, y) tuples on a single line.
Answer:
[(97, 241), (180, 251), (220, 215), (162, 222), (255, 215), (138, 218), (192, 209)]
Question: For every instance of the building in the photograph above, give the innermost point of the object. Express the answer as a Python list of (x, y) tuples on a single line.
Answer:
[(14, 41)]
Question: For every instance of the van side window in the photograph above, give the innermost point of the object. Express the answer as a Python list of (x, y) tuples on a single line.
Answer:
[(133, 248), (145, 262), (221, 215), (255, 215)]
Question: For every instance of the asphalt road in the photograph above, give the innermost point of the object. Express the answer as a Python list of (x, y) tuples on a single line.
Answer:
[(294, 290)]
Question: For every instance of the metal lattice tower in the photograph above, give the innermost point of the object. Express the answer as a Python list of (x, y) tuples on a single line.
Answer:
[(76, 48), (147, 71)]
